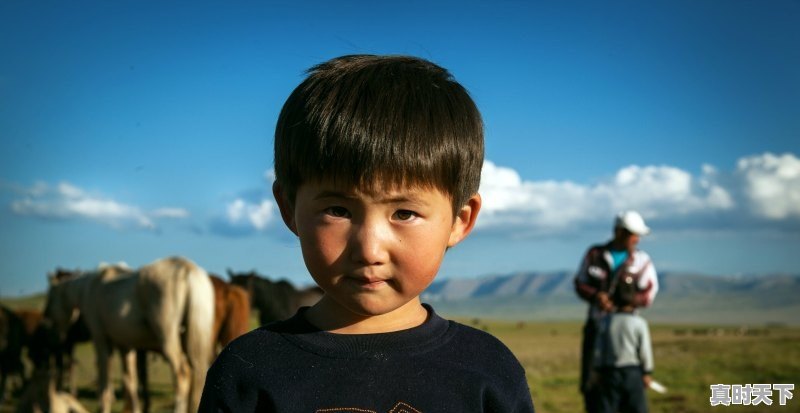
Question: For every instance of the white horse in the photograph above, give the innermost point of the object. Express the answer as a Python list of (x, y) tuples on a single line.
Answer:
[(166, 306)]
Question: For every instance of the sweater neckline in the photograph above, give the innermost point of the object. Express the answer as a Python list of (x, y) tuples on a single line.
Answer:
[(377, 345)]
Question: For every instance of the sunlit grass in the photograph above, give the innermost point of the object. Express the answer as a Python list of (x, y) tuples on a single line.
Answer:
[(688, 360)]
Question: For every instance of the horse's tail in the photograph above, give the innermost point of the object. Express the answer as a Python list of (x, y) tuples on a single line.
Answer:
[(198, 340)]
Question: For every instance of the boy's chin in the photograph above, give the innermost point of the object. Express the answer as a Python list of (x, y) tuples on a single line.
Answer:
[(376, 308), (388, 310)]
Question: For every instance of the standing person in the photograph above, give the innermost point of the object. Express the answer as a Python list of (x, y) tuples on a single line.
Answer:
[(377, 165), (623, 355), (600, 270)]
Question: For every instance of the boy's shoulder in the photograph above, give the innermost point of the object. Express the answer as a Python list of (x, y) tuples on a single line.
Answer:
[(480, 350), (631, 320), (471, 336)]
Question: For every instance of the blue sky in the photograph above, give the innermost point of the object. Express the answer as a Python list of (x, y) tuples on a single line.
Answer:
[(130, 131)]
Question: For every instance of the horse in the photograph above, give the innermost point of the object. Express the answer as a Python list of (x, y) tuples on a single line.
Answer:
[(39, 337), (231, 311), (274, 300), (145, 309), (231, 320), (78, 332), (12, 338), (23, 328)]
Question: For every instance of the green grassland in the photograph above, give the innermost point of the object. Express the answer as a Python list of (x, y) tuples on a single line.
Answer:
[(689, 358)]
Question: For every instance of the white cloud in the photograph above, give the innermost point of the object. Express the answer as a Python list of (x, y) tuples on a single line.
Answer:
[(252, 211), (67, 201), (510, 201), (547, 206), (771, 185), (241, 213), (659, 191), (170, 213)]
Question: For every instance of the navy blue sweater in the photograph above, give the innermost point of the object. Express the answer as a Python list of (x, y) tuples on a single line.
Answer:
[(440, 366)]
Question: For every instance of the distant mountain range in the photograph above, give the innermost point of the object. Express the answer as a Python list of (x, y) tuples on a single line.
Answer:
[(549, 296), (682, 297)]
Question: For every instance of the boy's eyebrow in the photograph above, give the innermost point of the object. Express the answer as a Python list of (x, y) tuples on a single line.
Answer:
[(334, 194), (391, 199)]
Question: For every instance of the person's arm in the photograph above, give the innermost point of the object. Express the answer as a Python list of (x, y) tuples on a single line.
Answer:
[(522, 402), (583, 287), (647, 287), (508, 391), (646, 350), (647, 379)]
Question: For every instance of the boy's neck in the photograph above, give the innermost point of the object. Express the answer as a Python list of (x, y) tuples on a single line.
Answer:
[(626, 309), (327, 315)]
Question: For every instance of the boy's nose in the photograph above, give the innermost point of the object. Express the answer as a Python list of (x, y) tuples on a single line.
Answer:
[(368, 243)]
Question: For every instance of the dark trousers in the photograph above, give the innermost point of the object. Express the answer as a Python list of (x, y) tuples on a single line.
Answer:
[(587, 351), (621, 390)]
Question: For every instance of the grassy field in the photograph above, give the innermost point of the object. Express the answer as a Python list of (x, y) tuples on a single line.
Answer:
[(689, 358)]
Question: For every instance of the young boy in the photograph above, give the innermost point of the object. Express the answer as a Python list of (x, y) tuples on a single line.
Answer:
[(623, 355), (377, 165)]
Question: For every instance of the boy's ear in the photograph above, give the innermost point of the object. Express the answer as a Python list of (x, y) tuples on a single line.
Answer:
[(465, 220), (287, 212)]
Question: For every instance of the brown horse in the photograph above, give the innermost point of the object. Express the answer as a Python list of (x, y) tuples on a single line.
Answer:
[(232, 311), (274, 300)]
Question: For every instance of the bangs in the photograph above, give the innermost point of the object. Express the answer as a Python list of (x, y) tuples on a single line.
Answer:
[(401, 123)]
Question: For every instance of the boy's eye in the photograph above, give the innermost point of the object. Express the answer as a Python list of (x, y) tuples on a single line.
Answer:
[(336, 211), (404, 214)]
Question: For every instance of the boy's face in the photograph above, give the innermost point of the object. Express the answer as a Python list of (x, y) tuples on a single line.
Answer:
[(373, 253)]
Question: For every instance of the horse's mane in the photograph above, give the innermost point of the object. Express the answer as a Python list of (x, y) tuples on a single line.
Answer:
[(112, 271), (104, 270)]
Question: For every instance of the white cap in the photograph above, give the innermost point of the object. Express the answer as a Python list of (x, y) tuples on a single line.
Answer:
[(633, 222)]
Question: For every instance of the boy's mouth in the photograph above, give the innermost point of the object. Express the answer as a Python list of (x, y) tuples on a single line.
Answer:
[(368, 283)]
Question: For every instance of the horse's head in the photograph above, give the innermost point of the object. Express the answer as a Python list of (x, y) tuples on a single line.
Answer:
[(244, 280), (61, 306)]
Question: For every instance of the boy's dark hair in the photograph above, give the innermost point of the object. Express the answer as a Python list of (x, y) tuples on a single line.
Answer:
[(375, 122), (624, 293)]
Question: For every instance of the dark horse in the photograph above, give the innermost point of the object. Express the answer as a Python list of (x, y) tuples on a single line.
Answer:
[(274, 300), (12, 337), (78, 333), (23, 328)]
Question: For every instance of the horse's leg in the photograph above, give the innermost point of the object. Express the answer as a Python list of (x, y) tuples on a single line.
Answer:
[(144, 390), (181, 373), (72, 378), (129, 379), (104, 389), (64, 367), (2, 385), (59, 357)]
